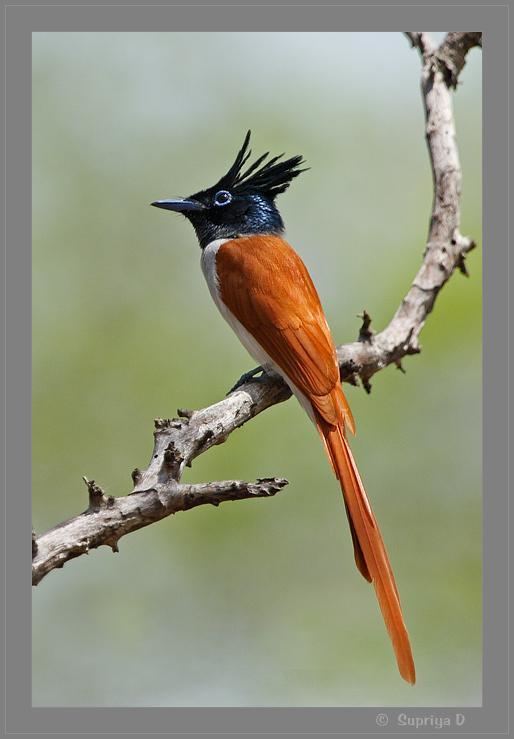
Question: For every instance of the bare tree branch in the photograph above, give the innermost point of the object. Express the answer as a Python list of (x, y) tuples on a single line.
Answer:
[(157, 491), (108, 519), (421, 41), (452, 54)]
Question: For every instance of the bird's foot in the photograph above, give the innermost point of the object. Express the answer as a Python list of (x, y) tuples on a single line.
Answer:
[(251, 375)]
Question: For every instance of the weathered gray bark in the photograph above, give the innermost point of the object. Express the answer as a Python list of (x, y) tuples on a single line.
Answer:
[(157, 491)]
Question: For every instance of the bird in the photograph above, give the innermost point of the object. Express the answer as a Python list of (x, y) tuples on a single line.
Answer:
[(264, 291)]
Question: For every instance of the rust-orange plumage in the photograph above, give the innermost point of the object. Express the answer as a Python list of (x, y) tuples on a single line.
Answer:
[(286, 318), (264, 291)]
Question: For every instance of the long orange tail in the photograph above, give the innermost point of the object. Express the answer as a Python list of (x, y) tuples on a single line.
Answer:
[(370, 553)]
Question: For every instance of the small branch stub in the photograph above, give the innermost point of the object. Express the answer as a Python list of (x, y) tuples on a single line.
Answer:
[(97, 497), (365, 333)]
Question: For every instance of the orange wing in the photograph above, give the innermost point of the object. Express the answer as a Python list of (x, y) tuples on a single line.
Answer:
[(267, 287)]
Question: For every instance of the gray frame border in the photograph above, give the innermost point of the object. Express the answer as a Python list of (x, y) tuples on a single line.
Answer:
[(20, 21)]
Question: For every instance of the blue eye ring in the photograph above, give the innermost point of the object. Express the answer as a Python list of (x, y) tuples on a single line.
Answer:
[(222, 197)]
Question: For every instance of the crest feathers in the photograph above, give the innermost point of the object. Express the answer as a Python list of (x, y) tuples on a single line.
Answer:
[(270, 179)]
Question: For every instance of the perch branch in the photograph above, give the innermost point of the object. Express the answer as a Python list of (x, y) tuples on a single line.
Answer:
[(157, 491)]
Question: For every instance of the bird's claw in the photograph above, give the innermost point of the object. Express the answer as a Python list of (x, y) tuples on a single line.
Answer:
[(251, 375)]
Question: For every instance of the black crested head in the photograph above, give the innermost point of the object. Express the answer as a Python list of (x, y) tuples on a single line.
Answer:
[(242, 202)]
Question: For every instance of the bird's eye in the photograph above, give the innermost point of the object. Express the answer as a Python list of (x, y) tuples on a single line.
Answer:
[(223, 197)]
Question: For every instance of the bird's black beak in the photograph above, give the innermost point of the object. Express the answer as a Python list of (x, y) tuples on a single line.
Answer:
[(179, 205)]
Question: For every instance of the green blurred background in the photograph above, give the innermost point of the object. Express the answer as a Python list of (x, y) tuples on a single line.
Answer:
[(254, 603)]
